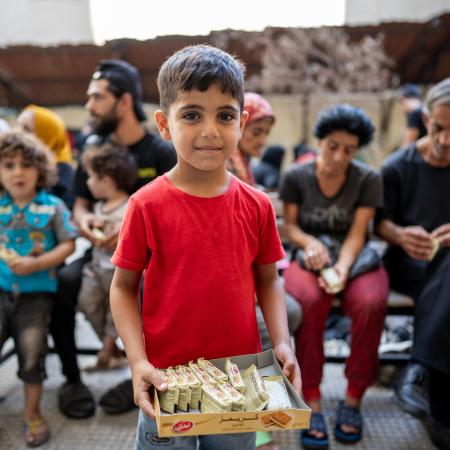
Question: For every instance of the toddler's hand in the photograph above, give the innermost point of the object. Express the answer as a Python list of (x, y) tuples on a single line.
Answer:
[(23, 265), (289, 364), (144, 376)]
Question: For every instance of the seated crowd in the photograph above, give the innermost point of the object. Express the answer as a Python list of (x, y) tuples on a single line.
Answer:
[(332, 202)]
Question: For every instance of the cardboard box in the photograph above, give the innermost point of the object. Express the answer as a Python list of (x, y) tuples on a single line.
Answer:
[(195, 423)]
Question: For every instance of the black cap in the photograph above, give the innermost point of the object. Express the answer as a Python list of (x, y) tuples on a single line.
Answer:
[(122, 77), (410, 90)]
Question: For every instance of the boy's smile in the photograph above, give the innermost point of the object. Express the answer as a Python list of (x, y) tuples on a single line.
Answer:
[(204, 127)]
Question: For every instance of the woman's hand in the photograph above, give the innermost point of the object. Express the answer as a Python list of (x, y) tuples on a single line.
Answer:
[(316, 255)]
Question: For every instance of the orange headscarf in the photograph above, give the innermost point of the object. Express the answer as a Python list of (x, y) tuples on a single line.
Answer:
[(50, 129)]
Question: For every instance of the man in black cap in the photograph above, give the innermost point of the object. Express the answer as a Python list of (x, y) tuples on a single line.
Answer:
[(412, 106), (115, 106)]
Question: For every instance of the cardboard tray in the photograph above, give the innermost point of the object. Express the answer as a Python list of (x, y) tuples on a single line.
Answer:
[(196, 423)]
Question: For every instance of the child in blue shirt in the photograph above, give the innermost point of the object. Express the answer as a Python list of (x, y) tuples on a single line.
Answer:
[(35, 237)]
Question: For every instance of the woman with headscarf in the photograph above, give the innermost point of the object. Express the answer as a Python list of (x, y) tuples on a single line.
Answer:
[(50, 129)]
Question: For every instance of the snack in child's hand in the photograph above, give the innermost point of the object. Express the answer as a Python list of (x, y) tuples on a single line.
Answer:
[(436, 245), (234, 376), (331, 279), (256, 397), (266, 420), (211, 369), (98, 233), (7, 254)]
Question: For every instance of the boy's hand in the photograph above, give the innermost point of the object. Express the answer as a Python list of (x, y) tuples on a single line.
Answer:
[(110, 240), (144, 376), (291, 369), (23, 265)]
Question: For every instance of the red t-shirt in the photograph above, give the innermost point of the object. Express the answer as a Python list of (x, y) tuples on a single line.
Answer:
[(198, 255)]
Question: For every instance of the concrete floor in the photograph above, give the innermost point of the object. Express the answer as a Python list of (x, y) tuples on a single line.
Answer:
[(385, 426)]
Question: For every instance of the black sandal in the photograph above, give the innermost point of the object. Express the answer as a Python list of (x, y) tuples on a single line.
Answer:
[(348, 415), (76, 401), (118, 399), (308, 440)]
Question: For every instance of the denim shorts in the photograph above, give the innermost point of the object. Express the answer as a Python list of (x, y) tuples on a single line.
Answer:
[(25, 318), (147, 439)]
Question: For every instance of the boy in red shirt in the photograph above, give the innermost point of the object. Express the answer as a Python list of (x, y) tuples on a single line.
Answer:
[(206, 242)]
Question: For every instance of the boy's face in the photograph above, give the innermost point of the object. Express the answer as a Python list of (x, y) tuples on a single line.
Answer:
[(19, 178), (204, 127), (100, 187)]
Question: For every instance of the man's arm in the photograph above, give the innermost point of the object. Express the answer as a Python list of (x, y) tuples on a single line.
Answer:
[(124, 300), (270, 294), (414, 240)]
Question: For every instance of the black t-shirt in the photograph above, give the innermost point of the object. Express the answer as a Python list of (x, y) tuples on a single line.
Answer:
[(415, 193), (334, 216), (414, 120), (153, 157)]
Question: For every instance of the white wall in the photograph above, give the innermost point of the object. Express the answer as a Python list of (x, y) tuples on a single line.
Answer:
[(45, 22), (360, 12)]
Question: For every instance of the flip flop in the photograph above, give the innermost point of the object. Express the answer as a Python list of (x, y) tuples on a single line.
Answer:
[(348, 415), (308, 440), (36, 432), (76, 400), (118, 399)]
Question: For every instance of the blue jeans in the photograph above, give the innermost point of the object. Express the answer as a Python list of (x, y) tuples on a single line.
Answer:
[(147, 439)]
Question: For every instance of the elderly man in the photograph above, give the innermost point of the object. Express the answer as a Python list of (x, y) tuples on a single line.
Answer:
[(116, 110), (416, 223)]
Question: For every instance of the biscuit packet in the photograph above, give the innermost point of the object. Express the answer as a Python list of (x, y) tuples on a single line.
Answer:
[(331, 279), (237, 399), (195, 386), (234, 376), (214, 400), (202, 374), (278, 394), (212, 369), (184, 392), (434, 250), (169, 398), (8, 254), (256, 397)]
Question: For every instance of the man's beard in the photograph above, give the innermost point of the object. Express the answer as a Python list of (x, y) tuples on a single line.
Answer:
[(105, 127)]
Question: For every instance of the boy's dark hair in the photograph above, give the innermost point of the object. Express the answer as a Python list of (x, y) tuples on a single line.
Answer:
[(345, 118), (197, 67), (113, 161), (33, 151)]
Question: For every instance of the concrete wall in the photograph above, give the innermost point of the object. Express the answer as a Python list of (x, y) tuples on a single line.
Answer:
[(359, 12), (295, 120), (45, 22)]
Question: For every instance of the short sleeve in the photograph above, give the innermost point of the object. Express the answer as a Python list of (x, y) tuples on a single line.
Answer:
[(270, 248), (132, 251), (371, 191), (64, 228), (392, 192), (290, 191)]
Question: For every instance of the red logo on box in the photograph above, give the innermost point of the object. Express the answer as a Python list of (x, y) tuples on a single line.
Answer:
[(181, 427)]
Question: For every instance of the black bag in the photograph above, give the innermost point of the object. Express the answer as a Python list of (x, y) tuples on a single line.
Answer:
[(368, 259)]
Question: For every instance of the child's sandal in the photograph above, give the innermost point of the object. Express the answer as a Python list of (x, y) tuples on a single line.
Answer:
[(36, 432)]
